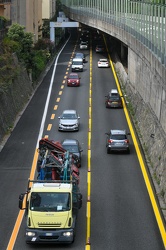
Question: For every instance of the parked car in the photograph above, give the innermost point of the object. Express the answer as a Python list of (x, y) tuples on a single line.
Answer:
[(103, 63), (81, 55), (113, 99), (73, 146), (73, 80), (100, 48), (84, 45), (69, 121), (117, 140)]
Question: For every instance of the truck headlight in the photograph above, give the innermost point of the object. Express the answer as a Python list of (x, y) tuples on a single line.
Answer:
[(30, 234), (67, 234)]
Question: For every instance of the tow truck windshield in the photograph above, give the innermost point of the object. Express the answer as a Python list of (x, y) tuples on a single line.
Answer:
[(48, 201)]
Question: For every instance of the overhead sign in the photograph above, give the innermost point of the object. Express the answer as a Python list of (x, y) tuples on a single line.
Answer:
[(63, 24)]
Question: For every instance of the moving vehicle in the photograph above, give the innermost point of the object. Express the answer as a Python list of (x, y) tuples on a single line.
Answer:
[(73, 146), (113, 99), (69, 121), (73, 80), (77, 64), (100, 48), (117, 140), (84, 45), (52, 201), (103, 63), (80, 55)]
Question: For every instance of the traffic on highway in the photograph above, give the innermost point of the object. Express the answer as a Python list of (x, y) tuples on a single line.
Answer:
[(75, 112)]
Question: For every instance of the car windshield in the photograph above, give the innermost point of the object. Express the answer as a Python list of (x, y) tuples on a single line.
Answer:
[(49, 201), (69, 116), (114, 98), (77, 63), (73, 77), (118, 137), (71, 148)]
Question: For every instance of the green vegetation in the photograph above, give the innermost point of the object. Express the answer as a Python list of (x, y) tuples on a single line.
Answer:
[(31, 56)]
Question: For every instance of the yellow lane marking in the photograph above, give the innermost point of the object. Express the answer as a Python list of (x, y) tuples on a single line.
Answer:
[(55, 107), (88, 209), (46, 136), (62, 86), (60, 92), (52, 116), (49, 127), (58, 99), (142, 165), (65, 77), (21, 212)]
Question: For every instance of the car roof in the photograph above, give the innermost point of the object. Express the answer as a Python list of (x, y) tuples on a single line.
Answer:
[(79, 54), (69, 111), (118, 131), (114, 91), (70, 142), (103, 60)]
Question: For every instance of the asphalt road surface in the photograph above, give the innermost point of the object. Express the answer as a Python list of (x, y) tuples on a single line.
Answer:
[(122, 217)]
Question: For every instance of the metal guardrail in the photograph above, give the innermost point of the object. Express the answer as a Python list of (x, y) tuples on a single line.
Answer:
[(142, 19)]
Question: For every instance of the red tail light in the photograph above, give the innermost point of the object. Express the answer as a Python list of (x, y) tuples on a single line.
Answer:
[(110, 141), (127, 141)]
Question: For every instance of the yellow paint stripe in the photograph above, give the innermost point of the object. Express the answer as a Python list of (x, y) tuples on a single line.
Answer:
[(142, 165), (55, 107), (52, 116), (49, 127), (88, 209), (62, 86), (21, 213), (60, 92), (58, 99)]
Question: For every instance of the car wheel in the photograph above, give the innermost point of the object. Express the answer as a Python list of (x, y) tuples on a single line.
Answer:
[(128, 151), (108, 151)]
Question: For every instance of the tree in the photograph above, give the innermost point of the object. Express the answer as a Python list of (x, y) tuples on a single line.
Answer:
[(24, 40)]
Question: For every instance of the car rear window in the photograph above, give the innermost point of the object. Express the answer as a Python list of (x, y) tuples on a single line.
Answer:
[(118, 137)]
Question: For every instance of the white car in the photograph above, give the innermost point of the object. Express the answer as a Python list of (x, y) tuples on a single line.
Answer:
[(69, 121), (103, 63), (83, 45)]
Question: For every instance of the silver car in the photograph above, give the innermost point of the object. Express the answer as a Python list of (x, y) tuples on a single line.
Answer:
[(73, 146), (69, 121), (117, 140)]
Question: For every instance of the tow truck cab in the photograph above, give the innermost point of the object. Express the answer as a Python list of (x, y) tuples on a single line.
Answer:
[(51, 209)]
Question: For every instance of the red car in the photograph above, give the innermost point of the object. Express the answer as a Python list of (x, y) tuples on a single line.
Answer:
[(73, 80)]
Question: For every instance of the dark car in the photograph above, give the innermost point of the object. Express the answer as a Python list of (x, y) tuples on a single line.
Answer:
[(117, 140), (113, 99), (80, 55), (73, 146), (73, 80), (100, 48)]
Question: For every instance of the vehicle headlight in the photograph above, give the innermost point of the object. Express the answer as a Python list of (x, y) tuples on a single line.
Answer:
[(67, 234), (30, 234)]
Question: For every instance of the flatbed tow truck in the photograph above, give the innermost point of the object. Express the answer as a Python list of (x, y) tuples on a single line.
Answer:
[(52, 201)]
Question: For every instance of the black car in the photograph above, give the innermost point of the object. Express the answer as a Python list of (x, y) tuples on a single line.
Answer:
[(73, 146), (113, 99), (81, 55)]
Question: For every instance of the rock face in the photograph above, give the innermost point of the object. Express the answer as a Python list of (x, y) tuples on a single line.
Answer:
[(151, 135), (13, 97)]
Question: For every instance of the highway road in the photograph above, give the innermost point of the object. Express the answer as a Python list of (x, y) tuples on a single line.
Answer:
[(122, 216)]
